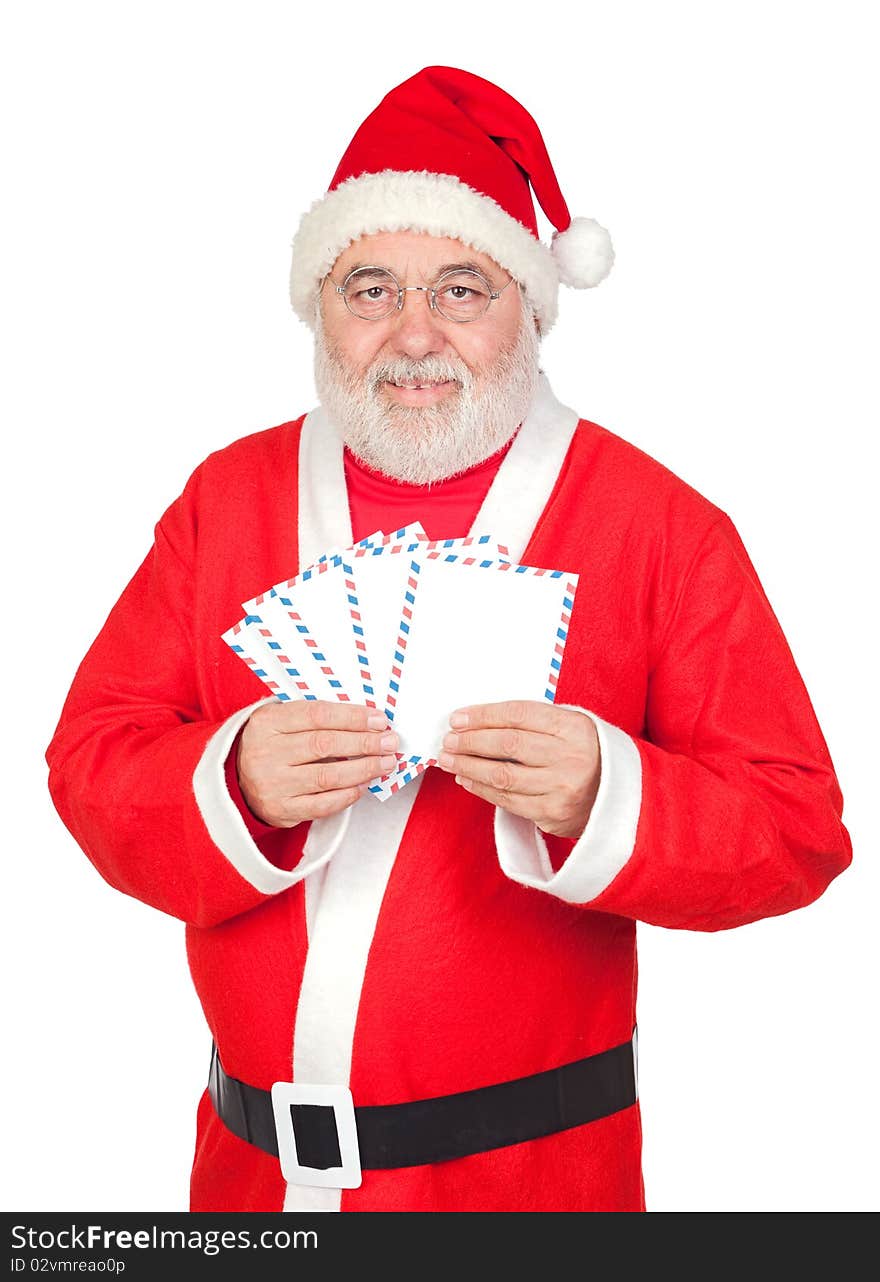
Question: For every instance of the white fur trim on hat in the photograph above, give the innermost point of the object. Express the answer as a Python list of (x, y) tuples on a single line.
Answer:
[(421, 201), (583, 253)]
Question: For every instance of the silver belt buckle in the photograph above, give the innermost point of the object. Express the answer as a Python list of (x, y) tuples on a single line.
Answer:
[(346, 1176)]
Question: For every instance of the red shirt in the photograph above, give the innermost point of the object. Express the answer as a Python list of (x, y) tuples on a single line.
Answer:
[(447, 509)]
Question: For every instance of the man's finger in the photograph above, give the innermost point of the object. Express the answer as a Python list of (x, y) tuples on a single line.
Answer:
[(295, 715), (503, 777), (510, 743), (324, 745), (329, 776), (518, 804), (521, 714), (318, 806)]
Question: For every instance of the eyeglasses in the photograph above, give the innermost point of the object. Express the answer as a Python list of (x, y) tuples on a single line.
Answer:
[(374, 293)]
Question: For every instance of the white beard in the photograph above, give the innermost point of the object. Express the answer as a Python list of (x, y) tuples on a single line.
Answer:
[(423, 444)]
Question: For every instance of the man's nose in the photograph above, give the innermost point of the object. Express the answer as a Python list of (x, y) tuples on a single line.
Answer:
[(418, 328)]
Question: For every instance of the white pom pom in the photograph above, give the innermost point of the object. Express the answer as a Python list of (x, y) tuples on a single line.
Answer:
[(583, 253)]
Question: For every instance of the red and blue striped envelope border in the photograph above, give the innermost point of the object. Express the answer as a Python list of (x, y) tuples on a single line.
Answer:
[(282, 595), (235, 637), (324, 562), (286, 598), (406, 768), (413, 532)]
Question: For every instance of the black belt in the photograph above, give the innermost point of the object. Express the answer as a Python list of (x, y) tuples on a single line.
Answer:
[(436, 1129)]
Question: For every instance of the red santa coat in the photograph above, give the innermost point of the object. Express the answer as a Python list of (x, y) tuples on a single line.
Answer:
[(431, 944)]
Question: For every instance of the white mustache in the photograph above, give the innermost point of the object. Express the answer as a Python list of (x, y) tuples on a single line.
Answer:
[(430, 370)]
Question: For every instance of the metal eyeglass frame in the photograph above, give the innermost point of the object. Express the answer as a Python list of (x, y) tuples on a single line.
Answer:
[(430, 290)]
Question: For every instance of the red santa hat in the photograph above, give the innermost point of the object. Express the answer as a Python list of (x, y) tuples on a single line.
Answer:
[(451, 154)]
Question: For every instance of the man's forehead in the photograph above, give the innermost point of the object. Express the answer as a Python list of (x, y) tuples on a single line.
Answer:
[(413, 253)]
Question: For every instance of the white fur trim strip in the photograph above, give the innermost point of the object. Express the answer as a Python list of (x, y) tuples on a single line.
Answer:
[(607, 841), (526, 478), (227, 829), (324, 517), (420, 201), (352, 890)]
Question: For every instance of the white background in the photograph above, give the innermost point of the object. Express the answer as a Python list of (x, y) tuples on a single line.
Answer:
[(156, 160)]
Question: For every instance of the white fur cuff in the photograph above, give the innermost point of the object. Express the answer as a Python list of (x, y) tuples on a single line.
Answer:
[(228, 830), (606, 843)]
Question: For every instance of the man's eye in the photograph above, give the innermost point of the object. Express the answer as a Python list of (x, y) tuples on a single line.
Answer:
[(373, 294), (459, 292)]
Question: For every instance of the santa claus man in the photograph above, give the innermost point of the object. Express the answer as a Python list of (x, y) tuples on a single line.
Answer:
[(429, 1003)]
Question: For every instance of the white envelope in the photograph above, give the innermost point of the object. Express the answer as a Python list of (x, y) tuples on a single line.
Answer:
[(477, 633)]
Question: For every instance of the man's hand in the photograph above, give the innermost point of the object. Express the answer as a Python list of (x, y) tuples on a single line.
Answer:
[(533, 759), (309, 759)]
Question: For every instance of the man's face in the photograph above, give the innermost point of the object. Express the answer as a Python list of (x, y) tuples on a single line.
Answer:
[(419, 396), (416, 331)]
